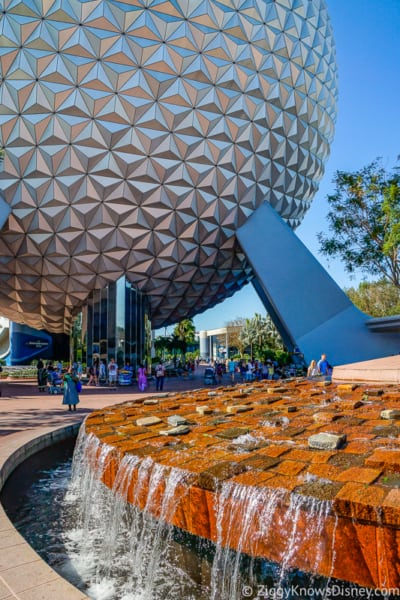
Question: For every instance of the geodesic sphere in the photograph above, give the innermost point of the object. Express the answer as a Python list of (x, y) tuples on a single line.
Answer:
[(140, 135)]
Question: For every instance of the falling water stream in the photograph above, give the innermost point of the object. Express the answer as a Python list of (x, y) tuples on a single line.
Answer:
[(113, 550)]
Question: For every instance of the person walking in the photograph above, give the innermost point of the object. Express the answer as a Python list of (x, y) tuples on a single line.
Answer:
[(102, 372), (312, 370), (219, 373), (142, 378), (112, 373), (231, 370), (323, 365), (96, 367), (71, 396), (249, 371), (90, 372), (79, 370), (160, 376), (39, 367)]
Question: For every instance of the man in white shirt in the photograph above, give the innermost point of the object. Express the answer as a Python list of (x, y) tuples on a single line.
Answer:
[(112, 372)]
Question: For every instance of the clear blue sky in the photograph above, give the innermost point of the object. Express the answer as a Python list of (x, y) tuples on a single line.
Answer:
[(367, 34)]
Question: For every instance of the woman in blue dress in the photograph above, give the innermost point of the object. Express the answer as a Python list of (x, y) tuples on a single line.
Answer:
[(71, 396)]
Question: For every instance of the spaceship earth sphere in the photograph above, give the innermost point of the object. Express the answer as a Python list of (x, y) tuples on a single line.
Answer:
[(139, 135)]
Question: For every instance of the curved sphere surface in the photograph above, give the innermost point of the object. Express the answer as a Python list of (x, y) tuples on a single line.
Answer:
[(139, 136)]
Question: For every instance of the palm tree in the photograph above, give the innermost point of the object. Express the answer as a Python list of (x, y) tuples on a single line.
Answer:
[(161, 344), (184, 332), (248, 335), (260, 331), (234, 328)]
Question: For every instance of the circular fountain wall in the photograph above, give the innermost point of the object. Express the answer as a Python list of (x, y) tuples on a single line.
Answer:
[(240, 473), (234, 467)]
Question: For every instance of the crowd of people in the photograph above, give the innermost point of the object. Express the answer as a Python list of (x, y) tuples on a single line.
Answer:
[(255, 370), (51, 377), (252, 370)]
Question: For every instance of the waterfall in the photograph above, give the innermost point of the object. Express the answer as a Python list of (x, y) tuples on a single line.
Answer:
[(255, 509), (135, 538), (128, 530), (309, 533), (262, 513)]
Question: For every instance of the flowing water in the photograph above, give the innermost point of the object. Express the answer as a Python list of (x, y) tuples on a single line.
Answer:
[(112, 550)]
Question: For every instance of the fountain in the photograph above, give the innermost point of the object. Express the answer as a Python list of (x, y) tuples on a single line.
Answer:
[(217, 495), (234, 468)]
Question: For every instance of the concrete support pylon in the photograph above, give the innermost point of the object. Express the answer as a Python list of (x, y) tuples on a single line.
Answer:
[(308, 308)]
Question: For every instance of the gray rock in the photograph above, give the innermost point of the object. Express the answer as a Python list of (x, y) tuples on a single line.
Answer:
[(393, 413), (180, 430), (175, 420), (147, 421), (238, 408), (326, 441), (203, 410)]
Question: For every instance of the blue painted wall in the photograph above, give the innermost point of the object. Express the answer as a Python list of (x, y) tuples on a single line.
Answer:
[(27, 344)]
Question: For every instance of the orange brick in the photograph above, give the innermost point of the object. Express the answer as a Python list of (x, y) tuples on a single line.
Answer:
[(94, 419), (350, 404), (354, 434), (391, 396), (391, 508), (386, 459), (274, 451), (289, 467), (253, 478), (378, 422), (112, 439), (369, 414), (346, 387), (359, 475), (324, 471), (281, 482), (313, 456), (358, 447), (359, 501), (325, 416)]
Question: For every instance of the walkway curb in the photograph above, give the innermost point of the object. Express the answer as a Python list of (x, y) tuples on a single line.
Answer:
[(23, 574)]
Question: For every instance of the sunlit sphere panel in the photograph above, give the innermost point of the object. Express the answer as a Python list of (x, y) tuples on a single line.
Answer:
[(139, 136)]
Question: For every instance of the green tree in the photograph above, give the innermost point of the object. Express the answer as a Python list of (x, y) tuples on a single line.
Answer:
[(248, 335), (376, 298), (364, 220), (234, 328), (184, 332), (261, 335), (162, 344)]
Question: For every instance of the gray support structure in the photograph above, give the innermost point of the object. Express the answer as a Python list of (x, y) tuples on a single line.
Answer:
[(308, 308)]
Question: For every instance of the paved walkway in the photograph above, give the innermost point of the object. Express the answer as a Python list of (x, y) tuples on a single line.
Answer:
[(27, 419), (23, 407), (381, 370)]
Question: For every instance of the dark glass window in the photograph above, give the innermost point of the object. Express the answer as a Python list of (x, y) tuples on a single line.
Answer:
[(114, 324)]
